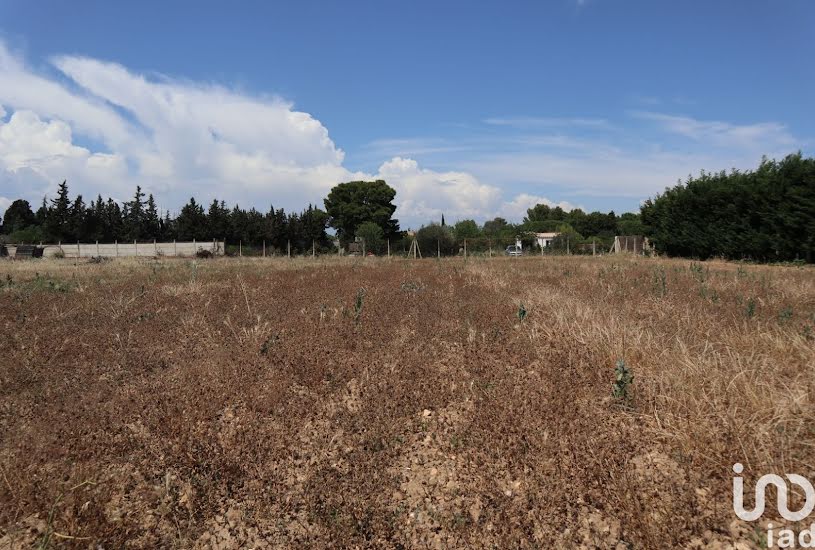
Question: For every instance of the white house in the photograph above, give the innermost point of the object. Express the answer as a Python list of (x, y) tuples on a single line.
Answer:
[(545, 239)]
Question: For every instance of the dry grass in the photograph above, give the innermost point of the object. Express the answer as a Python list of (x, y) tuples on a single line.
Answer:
[(247, 403)]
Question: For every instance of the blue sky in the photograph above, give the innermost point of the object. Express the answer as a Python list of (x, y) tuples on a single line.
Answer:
[(473, 109)]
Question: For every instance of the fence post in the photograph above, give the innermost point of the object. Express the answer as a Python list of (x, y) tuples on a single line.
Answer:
[(155, 248), (175, 248), (288, 249), (313, 250), (240, 248), (568, 250), (214, 247), (465, 249), (194, 248), (264, 248), (438, 248), (389, 248), (97, 249), (363, 248), (593, 247), (489, 241), (116, 242)]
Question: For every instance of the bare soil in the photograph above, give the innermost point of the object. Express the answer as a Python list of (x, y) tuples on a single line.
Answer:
[(254, 404)]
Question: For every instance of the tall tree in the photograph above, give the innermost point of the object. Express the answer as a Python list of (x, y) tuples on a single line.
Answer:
[(135, 216), (151, 224), (218, 219), (77, 220), (57, 224), (191, 222), (18, 216), (351, 204)]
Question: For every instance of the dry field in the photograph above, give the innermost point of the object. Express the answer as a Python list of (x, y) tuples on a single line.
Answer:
[(270, 403)]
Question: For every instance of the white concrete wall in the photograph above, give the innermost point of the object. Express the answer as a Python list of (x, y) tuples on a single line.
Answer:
[(130, 249)]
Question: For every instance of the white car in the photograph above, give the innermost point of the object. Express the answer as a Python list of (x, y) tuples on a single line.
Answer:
[(513, 250)]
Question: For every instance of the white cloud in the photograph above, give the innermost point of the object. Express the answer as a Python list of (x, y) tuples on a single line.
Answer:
[(532, 122), (424, 195), (517, 207), (5, 202), (764, 135), (107, 129), (25, 140), (174, 138), (179, 139)]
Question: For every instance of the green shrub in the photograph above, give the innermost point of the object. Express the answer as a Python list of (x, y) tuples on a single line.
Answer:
[(435, 239)]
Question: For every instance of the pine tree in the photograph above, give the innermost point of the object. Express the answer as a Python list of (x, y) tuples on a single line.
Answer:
[(191, 222), (77, 221), (57, 224), (42, 213), (135, 216), (151, 219), (113, 224)]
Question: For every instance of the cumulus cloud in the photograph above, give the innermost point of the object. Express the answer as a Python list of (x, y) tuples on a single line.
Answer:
[(517, 207), (175, 138), (425, 195), (107, 129)]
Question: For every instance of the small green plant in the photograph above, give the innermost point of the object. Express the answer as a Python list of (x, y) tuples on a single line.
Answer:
[(661, 281), (358, 304), (622, 381), (785, 314), (751, 308), (522, 313), (708, 293)]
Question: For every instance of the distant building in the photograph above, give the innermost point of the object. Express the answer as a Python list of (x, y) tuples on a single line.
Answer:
[(545, 239)]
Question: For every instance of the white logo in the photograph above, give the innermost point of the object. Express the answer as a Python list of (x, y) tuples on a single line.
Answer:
[(781, 488)]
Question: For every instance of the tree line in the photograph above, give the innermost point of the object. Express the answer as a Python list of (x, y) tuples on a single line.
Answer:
[(767, 214), (64, 220), (358, 211)]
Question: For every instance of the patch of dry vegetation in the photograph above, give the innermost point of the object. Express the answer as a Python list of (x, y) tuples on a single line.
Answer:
[(263, 403)]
